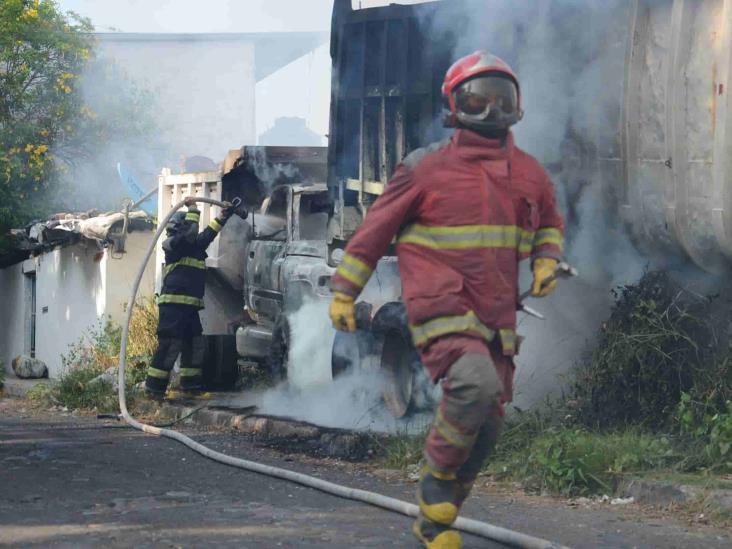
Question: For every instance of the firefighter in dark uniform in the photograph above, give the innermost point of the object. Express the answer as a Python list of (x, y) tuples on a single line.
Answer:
[(181, 297)]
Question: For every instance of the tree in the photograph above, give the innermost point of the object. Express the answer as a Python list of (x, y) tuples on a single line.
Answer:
[(42, 54)]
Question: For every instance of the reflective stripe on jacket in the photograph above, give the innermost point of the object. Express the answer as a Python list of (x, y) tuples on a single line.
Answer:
[(464, 213)]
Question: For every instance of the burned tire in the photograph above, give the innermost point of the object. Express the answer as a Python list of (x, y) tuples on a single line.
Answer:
[(279, 349), (399, 361), (351, 350)]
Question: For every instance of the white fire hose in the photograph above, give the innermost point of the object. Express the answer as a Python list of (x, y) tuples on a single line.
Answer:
[(482, 529)]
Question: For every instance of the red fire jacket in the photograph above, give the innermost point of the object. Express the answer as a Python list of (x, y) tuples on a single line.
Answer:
[(465, 212)]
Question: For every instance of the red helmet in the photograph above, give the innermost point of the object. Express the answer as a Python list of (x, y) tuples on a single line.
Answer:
[(482, 93)]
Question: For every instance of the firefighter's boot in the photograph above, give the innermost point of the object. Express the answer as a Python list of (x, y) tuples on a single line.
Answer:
[(158, 373), (438, 496), (191, 366)]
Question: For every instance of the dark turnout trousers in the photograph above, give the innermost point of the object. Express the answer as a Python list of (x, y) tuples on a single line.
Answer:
[(179, 334)]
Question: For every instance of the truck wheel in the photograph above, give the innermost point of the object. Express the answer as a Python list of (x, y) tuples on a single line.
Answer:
[(399, 361), (351, 351), (279, 349)]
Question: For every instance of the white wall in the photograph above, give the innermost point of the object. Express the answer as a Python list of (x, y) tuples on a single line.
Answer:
[(204, 88), (12, 300), (121, 273), (70, 300)]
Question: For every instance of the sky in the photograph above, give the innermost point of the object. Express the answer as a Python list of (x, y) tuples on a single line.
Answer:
[(208, 16)]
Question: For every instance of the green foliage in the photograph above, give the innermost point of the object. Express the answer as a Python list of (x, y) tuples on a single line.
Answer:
[(658, 343), (704, 422), (41, 393), (401, 451), (42, 54), (573, 461), (75, 391), (60, 108)]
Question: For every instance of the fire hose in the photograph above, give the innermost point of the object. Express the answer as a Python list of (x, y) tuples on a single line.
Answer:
[(478, 528)]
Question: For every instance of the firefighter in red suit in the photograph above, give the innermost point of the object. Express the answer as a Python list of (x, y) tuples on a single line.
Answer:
[(464, 213)]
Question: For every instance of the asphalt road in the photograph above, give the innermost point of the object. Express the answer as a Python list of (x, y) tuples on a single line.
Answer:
[(79, 482)]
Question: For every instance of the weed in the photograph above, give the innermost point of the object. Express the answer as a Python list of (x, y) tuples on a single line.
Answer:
[(703, 422), (41, 393), (575, 461), (75, 391), (401, 451)]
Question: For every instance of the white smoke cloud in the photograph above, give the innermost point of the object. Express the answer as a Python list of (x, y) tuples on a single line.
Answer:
[(353, 400)]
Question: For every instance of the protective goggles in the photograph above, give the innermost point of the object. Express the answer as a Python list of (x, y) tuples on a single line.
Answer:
[(486, 97)]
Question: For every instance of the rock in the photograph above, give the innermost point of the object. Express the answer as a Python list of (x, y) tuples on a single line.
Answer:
[(622, 501), (26, 367), (109, 376)]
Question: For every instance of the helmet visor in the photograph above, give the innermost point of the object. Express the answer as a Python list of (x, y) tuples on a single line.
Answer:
[(480, 97)]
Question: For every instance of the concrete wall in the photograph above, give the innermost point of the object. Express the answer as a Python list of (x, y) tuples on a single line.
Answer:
[(70, 299), (204, 87), (77, 288), (121, 273), (12, 297)]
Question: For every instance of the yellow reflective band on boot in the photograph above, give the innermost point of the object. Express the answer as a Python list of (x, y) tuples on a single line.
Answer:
[(180, 300), (437, 487), (190, 372), (160, 374), (449, 539), (441, 475), (443, 513)]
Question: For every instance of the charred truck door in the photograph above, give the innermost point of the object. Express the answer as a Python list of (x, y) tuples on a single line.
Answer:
[(266, 255)]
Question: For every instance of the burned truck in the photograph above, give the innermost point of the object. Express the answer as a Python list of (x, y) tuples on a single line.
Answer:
[(306, 202)]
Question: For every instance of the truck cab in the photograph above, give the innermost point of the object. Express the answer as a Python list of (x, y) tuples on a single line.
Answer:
[(288, 264), (288, 253)]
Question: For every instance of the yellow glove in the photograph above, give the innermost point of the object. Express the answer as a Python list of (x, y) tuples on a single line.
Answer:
[(342, 312), (544, 267)]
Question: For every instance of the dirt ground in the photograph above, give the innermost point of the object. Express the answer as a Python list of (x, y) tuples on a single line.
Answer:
[(75, 481)]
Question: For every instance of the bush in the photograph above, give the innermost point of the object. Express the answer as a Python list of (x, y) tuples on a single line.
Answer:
[(659, 342)]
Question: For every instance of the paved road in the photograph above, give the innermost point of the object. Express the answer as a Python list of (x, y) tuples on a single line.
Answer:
[(79, 482)]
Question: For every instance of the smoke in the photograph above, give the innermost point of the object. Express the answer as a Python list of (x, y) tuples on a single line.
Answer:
[(117, 124), (352, 400), (569, 56), (270, 174)]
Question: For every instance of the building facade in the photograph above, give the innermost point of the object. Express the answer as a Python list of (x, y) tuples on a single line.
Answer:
[(53, 299)]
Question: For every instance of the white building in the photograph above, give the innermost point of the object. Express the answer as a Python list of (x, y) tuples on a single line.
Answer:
[(51, 300), (205, 84)]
